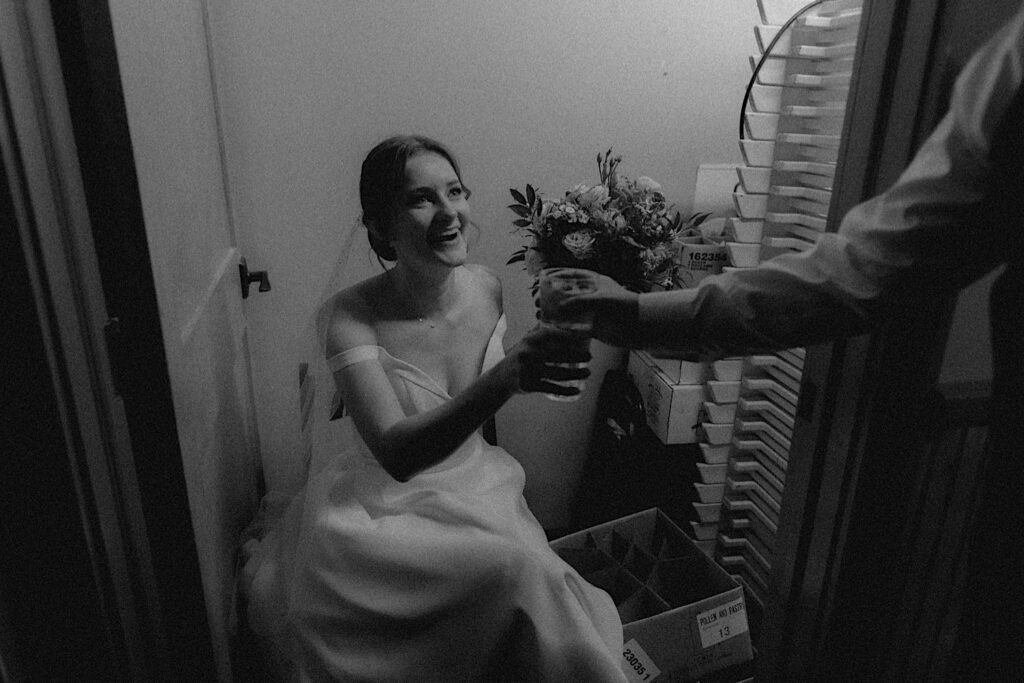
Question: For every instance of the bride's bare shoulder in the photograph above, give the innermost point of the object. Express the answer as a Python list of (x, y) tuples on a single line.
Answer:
[(487, 281), (351, 316)]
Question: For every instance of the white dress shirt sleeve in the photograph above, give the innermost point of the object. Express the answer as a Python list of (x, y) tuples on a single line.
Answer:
[(921, 238)]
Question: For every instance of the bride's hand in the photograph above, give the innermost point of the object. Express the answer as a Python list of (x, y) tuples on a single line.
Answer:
[(534, 362)]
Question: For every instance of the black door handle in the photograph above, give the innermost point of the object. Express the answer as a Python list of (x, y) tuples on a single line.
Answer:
[(249, 278)]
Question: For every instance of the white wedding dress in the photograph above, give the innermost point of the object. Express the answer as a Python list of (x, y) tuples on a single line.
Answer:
[(447, 577)]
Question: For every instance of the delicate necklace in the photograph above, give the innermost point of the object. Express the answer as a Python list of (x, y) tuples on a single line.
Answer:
[(429, 323)]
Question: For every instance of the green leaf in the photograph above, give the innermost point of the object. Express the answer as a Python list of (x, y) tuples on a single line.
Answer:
[(518, 196), (522, 222), (698, 218), (520, 210), (516, 258), (531, 195)]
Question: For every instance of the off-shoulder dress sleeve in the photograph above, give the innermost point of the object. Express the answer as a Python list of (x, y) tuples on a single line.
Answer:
[(356, 354)]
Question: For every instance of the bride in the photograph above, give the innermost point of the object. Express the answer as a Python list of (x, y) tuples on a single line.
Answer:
[(411, 553)]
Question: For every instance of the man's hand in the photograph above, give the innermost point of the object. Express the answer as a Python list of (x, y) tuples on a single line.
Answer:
[(616, 311)]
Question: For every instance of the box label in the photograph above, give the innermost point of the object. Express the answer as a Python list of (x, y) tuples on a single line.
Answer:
[(697, 261), (637, 666), (722, 622)]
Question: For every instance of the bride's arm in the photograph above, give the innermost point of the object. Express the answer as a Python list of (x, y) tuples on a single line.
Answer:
[(407, 444)]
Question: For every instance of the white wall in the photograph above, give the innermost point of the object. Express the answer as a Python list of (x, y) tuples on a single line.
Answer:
[(524, 91)]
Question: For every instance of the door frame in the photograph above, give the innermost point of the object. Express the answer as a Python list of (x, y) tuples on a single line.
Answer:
[(67, 163)]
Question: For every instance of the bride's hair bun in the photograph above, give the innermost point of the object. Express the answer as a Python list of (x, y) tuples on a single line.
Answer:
[(381, 247)]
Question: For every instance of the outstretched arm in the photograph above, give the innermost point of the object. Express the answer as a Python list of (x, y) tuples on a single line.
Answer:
[(407, 444), (929, 235)]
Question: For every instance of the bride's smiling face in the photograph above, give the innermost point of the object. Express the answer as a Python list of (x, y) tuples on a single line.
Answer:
[(432, 213)]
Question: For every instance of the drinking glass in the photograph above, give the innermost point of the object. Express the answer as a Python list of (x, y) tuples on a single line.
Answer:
[(557, 284)]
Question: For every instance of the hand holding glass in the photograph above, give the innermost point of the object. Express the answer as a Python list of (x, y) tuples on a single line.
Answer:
[(557, 284)]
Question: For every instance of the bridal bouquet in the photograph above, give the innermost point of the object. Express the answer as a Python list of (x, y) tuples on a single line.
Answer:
[(622, 228)]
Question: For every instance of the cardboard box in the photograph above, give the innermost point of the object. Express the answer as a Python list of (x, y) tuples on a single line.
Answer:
[(640, 374), (672, 410), (697, 261), (683, 616), (677, 371)]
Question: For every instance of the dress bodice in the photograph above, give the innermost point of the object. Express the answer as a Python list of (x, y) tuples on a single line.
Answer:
[(417, 391)]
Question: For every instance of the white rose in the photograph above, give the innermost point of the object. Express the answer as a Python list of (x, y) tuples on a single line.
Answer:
[(580, 244), (594, 197), (645, 183)]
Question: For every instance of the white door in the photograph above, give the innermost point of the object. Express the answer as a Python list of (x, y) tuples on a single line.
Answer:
[(174, 133)]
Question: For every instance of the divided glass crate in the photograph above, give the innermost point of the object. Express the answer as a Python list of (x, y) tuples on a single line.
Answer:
[(683, 615)]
